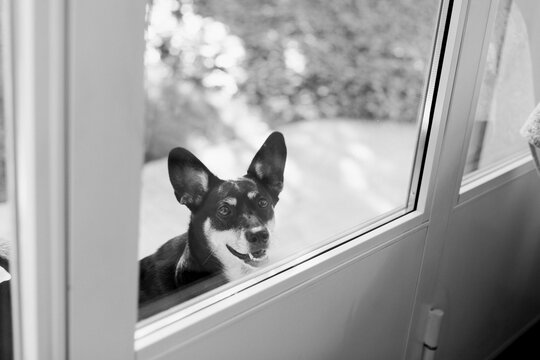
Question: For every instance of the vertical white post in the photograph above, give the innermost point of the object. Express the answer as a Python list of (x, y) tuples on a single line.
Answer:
[(105, 142), (38, 99)]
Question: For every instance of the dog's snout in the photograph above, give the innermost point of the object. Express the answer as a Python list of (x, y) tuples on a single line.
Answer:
[(257, 237)]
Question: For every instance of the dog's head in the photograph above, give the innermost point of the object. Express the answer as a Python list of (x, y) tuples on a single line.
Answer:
[(232, 220)]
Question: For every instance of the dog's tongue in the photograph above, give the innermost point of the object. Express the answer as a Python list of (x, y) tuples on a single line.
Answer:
[(255, 258)]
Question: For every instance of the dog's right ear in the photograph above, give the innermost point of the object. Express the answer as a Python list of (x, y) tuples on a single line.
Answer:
[(268, 164), (189, 177)]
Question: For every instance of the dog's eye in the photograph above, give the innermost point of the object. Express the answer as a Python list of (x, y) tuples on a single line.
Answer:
[(263, 202), (224, 210)]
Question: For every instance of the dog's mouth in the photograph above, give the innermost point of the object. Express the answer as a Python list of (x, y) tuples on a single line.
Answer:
[(255, 258)]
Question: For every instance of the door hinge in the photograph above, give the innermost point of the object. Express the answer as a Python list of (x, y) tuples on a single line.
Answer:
[(431, 336)]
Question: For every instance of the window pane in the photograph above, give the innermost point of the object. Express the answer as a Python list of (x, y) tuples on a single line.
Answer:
[(342, 81), (506, 97)]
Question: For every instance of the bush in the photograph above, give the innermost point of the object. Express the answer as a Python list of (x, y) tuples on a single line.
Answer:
[(291, 60), (316, 58)]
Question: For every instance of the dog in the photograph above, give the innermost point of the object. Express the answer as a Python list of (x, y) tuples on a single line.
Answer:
[(231, 224)]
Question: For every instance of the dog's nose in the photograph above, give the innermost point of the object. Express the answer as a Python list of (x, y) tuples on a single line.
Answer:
[(257, 237)]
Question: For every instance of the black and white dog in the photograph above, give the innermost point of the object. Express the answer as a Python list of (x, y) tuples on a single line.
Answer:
[(231, 221)]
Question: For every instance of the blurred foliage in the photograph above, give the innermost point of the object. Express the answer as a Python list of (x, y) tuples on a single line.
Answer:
[(291, 59), (176, 113), (363, 58)]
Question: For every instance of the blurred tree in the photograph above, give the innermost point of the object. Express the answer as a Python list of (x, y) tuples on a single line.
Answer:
[(343, 58), (292, 59)]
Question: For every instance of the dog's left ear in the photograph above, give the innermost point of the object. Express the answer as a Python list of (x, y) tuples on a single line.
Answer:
[(269, 163), (189, 177)]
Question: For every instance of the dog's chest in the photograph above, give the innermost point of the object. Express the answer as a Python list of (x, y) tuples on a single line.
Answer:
[(235, 271)]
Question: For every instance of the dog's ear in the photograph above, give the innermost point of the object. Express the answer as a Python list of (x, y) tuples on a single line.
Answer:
[(189, 177), (269, 163)]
